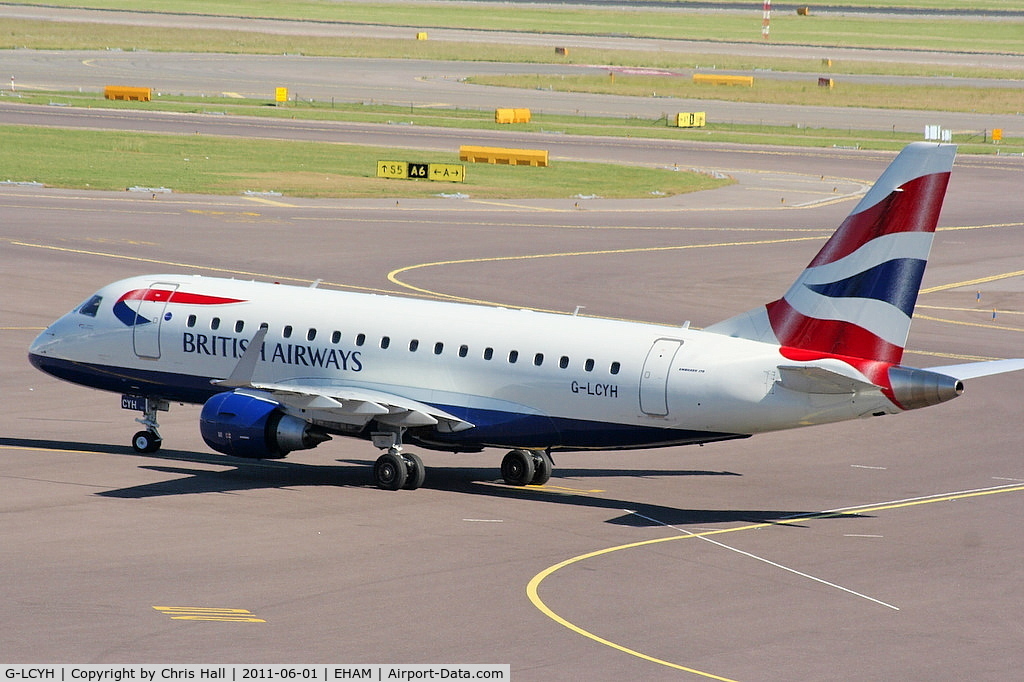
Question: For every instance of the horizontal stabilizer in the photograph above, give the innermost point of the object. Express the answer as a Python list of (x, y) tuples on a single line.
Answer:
[(810, 379), (972, 370)]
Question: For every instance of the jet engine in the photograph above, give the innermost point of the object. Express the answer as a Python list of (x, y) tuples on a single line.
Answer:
[(250, 426), (914, 388)]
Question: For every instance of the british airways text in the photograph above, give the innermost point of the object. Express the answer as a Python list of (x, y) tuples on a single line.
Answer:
[(284, 353)]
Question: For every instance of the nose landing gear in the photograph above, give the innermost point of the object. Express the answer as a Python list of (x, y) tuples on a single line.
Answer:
[(149, 440)]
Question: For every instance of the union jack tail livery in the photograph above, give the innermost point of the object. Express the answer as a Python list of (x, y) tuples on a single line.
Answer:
[(856, 298)]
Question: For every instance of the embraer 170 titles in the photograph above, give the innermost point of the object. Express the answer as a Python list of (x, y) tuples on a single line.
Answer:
[(281, 368)]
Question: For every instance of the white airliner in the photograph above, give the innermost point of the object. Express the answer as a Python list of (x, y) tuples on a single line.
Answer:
[(282, 368)]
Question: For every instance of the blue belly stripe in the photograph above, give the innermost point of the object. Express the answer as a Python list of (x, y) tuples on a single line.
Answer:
[(493, 428)]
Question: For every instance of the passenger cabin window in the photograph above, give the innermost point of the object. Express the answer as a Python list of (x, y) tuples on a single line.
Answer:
[(438, 348), (191, 321), (538, 359), (336, 337), (413, 345), (239, 326), (385, 341), (360, 339), (513, 356), (91, 307), (589, 365), (563, 361), (215, 323), (488, 353), (614, 368), (311, 334), (287, 332), (463, 351)]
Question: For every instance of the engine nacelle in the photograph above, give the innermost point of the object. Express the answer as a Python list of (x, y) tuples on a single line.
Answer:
[(248, 426), (914, 388)]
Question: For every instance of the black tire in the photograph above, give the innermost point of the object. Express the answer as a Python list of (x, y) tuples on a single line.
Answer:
[(390, 471), (145, 442), (543, 467), (417, 472), (517, 467)]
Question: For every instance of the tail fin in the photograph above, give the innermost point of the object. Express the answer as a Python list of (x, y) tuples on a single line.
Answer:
[(857, 297)]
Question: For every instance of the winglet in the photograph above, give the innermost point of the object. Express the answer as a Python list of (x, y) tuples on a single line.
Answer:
[(241, 376)]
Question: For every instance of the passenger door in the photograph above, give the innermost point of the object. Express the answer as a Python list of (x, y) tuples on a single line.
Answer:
[(654, 377)]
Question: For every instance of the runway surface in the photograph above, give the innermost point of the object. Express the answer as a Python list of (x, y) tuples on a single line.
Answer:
[(682, 563)]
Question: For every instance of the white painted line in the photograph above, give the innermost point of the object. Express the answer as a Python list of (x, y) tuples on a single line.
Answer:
[(1004, 478), (485, 520), (766, 561), (855, 535), (864, 466)]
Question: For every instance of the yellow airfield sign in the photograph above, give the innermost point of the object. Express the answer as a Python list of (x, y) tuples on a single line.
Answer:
[(446, 172), (406, 170)]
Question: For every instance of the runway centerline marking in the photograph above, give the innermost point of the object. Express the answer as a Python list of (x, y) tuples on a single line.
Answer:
[(532, 588), (209, 614), (972, 282), (1001, 327)]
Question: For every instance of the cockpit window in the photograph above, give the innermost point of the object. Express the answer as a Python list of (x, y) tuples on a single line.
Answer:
[(92, 306)]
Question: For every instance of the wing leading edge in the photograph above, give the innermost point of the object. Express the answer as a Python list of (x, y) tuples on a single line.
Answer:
[(335, 403)]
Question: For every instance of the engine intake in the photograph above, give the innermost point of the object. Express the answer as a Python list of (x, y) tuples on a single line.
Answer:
[(256, 428), (914, 388)]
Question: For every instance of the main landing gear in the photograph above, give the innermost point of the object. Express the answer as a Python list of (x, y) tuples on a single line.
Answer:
[(149, 440), (396, 470), (527, 467)]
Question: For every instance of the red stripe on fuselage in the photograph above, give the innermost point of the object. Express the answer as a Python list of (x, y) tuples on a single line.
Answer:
[(177, 297)]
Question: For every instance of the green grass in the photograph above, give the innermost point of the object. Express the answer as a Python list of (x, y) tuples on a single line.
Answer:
[(651, 128), (202, 164), (825, 30), (769, 91), (46, 35)]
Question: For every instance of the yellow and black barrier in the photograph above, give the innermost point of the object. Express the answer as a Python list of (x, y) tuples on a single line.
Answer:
[(501, 155), (511, 115), (715, 79), (693, 119), (128, 93), (405, 170)]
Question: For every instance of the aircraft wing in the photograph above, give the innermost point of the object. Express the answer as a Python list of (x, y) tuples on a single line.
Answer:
[(337, 404), (352, 405)]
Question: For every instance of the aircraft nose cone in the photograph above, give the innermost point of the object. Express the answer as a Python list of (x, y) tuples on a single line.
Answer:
[(42, 342), (52, 337), (41, 348)]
